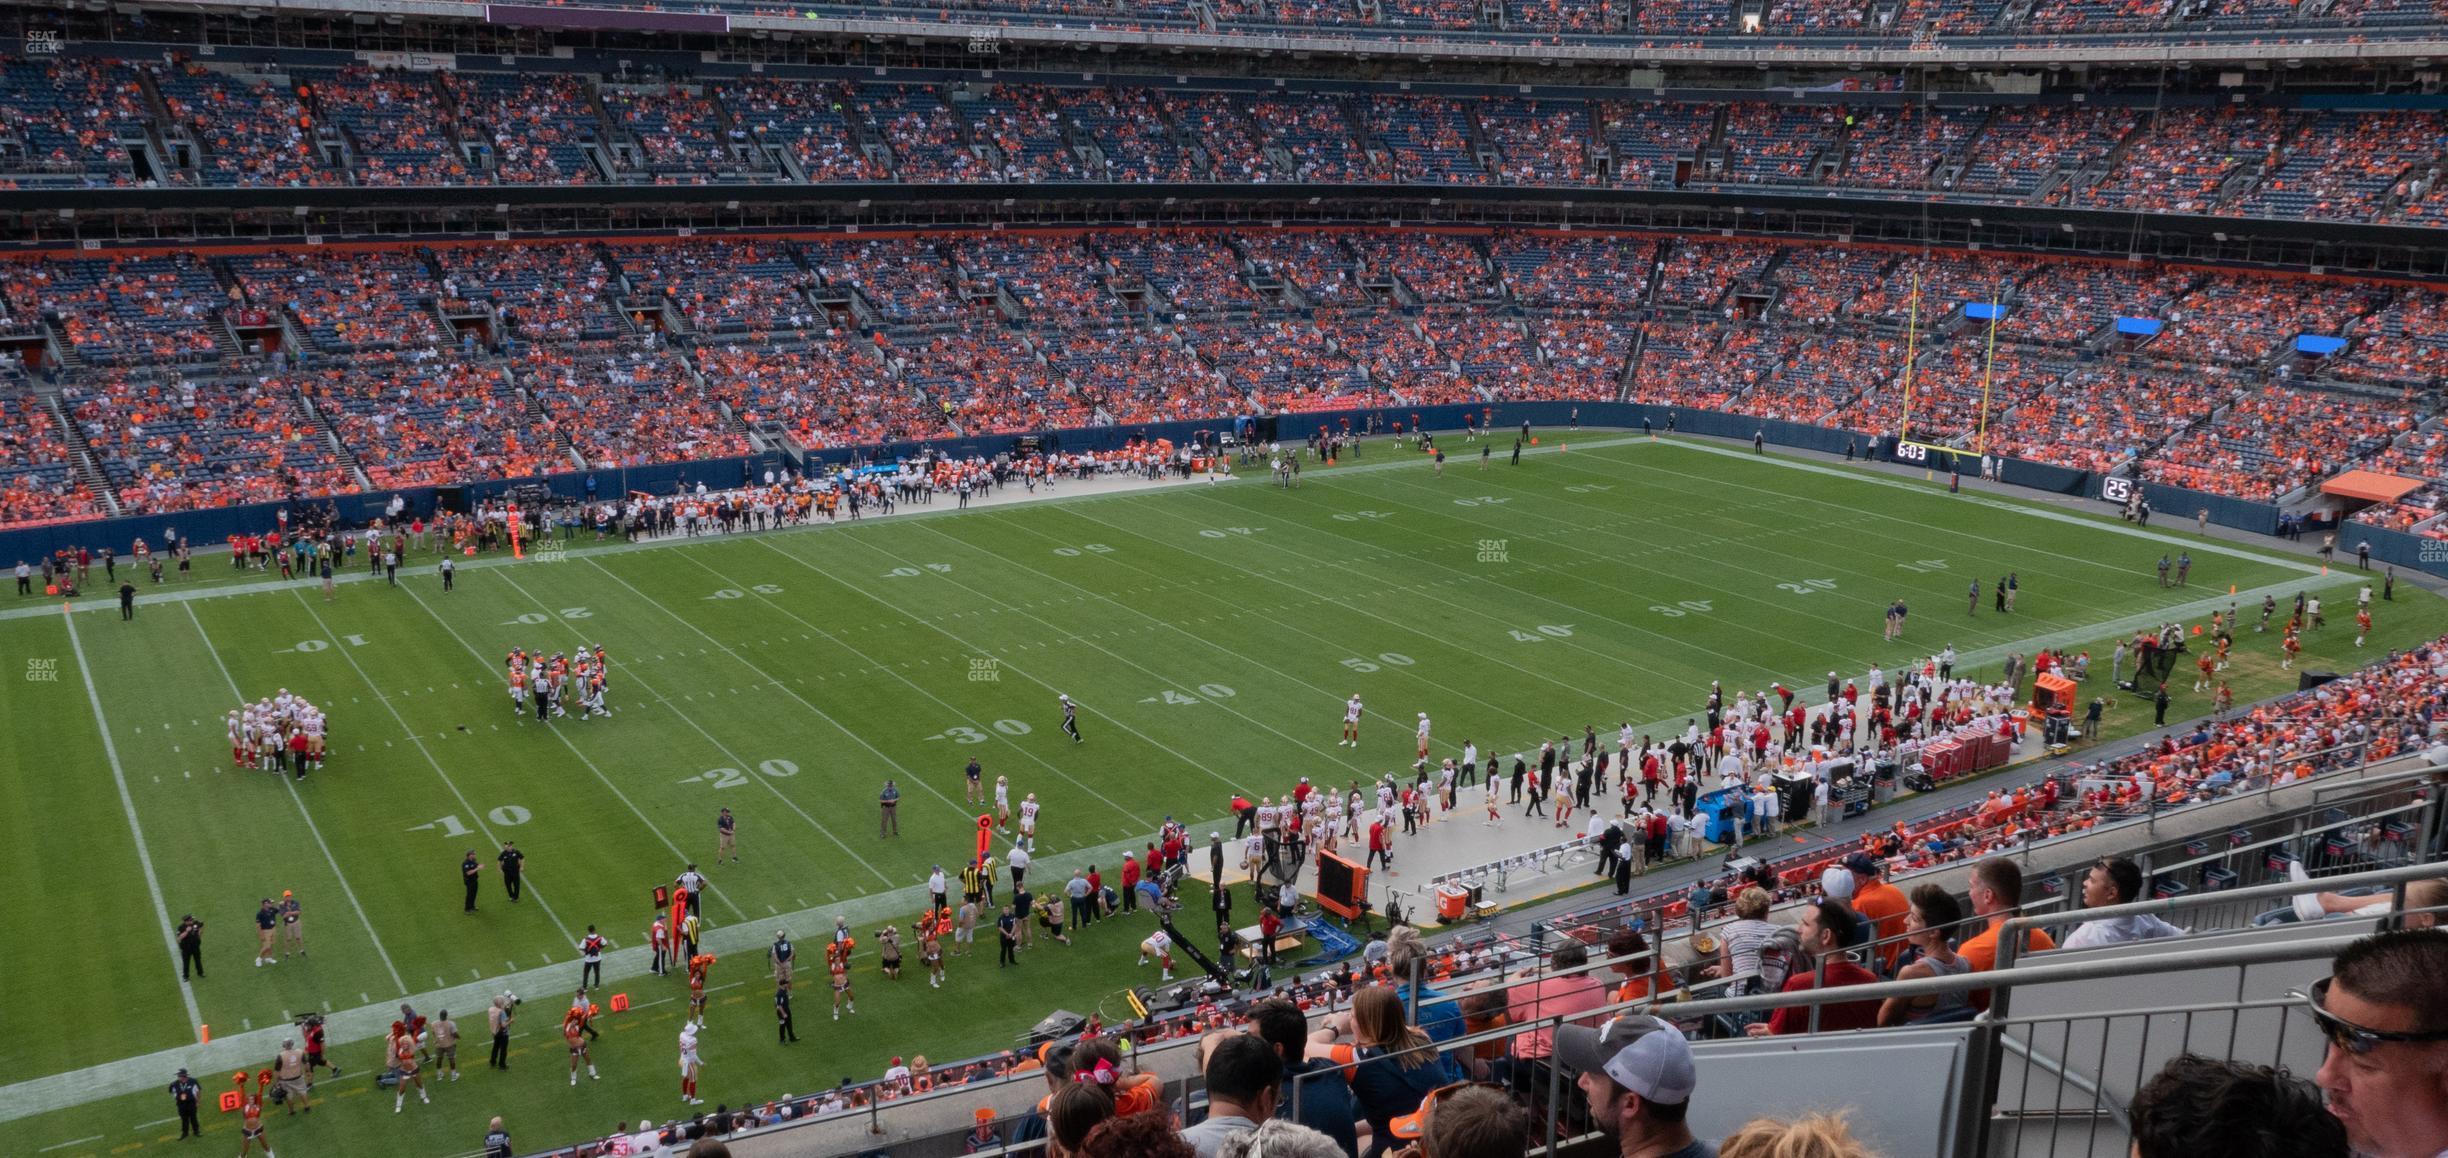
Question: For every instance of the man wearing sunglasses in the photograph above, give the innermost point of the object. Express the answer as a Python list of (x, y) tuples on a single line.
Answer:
[(2384, 1012)]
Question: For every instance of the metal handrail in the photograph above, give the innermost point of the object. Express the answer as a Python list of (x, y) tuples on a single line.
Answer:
[(2163, 905)]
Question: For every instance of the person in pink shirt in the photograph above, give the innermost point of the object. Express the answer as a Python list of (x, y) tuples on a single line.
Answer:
[(1568, 988)]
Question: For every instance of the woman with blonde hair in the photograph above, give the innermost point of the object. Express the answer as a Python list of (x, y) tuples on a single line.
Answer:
[(1815, 1136), (1390, 1063)]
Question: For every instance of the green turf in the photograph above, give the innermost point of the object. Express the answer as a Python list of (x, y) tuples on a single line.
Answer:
[(1210, 635)]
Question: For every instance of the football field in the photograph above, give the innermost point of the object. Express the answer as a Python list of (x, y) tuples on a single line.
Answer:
[(1210, 635)]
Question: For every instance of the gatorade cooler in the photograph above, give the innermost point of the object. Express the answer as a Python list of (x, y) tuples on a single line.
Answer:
[(1452, 902)]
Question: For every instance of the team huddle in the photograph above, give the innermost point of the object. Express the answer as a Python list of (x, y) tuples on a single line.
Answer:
[(550, 685), (281, 734)]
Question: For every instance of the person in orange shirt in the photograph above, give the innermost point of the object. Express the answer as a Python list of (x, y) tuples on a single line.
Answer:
[(1997, 892), (1632, 962), (1880, 903), (697, 967)]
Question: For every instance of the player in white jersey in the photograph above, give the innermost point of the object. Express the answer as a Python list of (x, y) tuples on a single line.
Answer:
[(690, 1063), (1028, 821), (1423, 735), (1002, 793), (1159, 945), (1351, 722)]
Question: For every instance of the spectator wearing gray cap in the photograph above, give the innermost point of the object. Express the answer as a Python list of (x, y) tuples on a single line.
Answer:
[(1638, 1076)]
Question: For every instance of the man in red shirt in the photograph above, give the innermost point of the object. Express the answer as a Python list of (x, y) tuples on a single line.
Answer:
[(1130, 883), (1828, 932), (1380, 847)]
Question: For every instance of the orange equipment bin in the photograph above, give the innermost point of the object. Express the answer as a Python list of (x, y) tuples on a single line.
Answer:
[(2054, 695)]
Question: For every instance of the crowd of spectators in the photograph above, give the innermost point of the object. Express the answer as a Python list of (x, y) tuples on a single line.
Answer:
[(2405, 343), (1430, 138), (172, 443), (38, 482), (2237, 320), (1134, 374), (346, 300), (538, 125), (552, 293), (1697, 275), (247, 132), (832, 390), (1899, 148), (62, 120), (2100, 415), (617, 405), (1812, 334), (1552, 270), (682, 135), (723, 287), (395, 122), (1227, 135), (68, 121), (2180, 160), (1713, 366), (1131, 127), (906, 279), (1196, 271), (2068, 302), (1275, 363), (128, 310), (807, 119), (1580, 356), (1314, 132), (923, 132), (988, 384), (2275, 439), (421, 418), (1050, 274), (1439, 268), (1778, 144), (1315, 263)]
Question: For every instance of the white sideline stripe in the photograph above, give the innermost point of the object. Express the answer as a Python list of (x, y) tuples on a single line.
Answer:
[(82, 1141), (127, 803), (475, 816), (308, 817), (1132, 489)]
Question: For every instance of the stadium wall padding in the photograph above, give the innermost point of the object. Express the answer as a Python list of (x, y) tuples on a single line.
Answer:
[(213, 527), (1612, 419)]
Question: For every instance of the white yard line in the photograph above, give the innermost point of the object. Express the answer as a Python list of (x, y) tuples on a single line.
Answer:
[(476, 815), (1720, 561), (737, 761), (127, 803), (303, 814), (1575, 690), (966, 811), (1111, 717), (1172, 584), (617, 794)]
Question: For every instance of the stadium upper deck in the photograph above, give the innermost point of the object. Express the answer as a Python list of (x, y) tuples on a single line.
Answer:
[(125, 123)]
